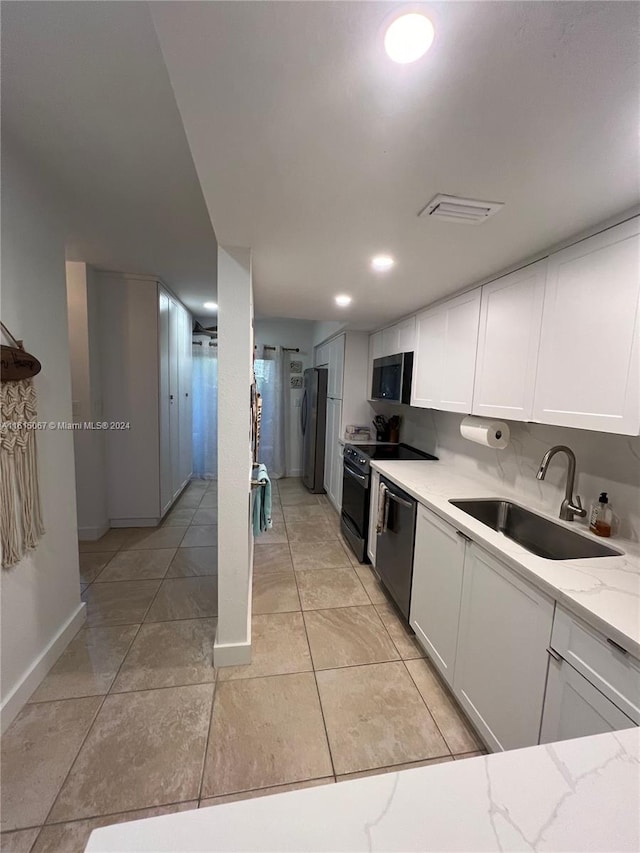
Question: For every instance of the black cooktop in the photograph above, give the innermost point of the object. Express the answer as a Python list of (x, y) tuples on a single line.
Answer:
[(392, 451)]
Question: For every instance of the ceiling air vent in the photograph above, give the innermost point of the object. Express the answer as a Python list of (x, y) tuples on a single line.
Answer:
[(467, 211)]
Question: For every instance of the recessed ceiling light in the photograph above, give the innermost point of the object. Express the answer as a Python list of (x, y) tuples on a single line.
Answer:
[(343, 300), (382, 263), (409, 37), (211, 306)]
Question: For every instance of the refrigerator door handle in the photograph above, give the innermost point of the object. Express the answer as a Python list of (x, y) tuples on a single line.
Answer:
[(303, 413)]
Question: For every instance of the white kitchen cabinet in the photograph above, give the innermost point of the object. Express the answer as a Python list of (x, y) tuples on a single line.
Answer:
[(508, 342), (573, 707), (375, 351), (322, 355), (146, 383), (437, 589), (589, 362), (372, 533), (336, 367), (406, 335), (390, 341), (445, 354), (333, 453), (501, 658)]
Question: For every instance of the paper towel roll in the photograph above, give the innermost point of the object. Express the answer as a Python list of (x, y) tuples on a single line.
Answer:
[(483, 431)]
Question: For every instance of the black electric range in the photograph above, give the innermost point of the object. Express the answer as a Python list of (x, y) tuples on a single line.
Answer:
[(356, 487)]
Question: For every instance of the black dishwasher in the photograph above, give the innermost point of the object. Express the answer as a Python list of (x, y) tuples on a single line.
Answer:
[(394, 548)]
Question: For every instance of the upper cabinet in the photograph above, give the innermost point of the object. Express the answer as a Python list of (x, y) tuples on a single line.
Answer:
[(588, 367), (336, 367), (446, 339), (510, 321)]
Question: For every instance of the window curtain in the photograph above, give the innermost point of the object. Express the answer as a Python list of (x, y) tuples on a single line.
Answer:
[(205, 410), (270, 381)]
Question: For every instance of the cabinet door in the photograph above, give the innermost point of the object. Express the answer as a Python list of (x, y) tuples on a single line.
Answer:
[(329, 446), (574, 708), (437, 589), (588, 368), (390, 342), (174, 395), (322, 355), (375, 351), (407, 335), (427, 364), (166, 484), (458, 364), (336, 367), (508, 342), (372, 534), (336, 483), (185, 404), (501, 662)]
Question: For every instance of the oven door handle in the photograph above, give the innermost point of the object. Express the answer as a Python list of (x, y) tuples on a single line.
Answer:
[(354, 474)]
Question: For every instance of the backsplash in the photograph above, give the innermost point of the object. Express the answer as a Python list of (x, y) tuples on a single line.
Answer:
[(605, 462)]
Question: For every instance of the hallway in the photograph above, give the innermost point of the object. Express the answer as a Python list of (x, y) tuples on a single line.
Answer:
[(126, 724)]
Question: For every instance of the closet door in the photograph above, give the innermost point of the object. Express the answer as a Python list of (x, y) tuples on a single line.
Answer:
[(166, 485), (184, 383), (174, 395)]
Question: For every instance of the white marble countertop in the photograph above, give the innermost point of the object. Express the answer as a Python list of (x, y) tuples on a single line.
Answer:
[(578, 795), (604, 591)]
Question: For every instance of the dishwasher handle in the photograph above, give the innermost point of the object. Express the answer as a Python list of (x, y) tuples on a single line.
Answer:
[(385, 495), (393, 497)]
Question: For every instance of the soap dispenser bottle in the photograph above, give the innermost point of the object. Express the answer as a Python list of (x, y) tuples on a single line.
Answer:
[(600, 517)]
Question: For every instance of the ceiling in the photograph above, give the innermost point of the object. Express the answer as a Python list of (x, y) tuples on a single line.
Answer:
[(316, 151), (86, 95), (286, 126)]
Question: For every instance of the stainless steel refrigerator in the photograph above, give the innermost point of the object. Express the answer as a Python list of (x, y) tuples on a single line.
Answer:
[(313, 422)]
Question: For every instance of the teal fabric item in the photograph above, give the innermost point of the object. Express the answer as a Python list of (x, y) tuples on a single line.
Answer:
[(262, 502)]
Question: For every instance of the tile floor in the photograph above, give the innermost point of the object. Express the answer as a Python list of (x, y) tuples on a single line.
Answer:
[(133, 720)]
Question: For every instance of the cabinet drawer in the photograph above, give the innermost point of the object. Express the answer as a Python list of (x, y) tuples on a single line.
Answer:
[(613, 672)]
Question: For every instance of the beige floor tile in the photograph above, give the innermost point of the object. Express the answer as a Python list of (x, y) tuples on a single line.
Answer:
[(205, 515), (275, 592), (370, 582), (185, 598), (331, 588), (178, 518), (403, 637), (157, 537), (291, 497), (277, 535), (265, 732), (20, 841), (37, 751), (111, 541), (137, 565), (266, 792), (169, 654), (352, 557), (121, 603), (477, 754), (375, 717), (451, 722), (191, 500), (277, 516), (347, 636), (73, 837), (278, 646), (209, 500), (296, 513), (310, 532), (319, 555), (92, 563), (152, 742), (377, 771), (193, 562), (202, 536), (271, 557), (88, 665)]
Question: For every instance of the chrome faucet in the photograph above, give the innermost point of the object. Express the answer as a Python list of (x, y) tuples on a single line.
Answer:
[(567, 508)]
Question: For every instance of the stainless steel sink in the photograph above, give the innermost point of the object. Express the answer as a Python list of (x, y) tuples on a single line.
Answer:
[(534, 532)]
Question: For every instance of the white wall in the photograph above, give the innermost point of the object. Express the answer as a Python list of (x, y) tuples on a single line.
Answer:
[(41, 606), (289, 333), (89, 445), (325, 329), (605, 462), (235, 539)]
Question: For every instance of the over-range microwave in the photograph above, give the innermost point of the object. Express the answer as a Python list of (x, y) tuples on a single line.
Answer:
[(391, 380)]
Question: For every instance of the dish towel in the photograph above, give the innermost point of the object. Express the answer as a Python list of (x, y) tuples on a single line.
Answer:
[(262, 503)]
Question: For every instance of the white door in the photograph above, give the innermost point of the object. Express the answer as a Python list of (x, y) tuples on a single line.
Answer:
[(174, 395), (185, 402), (508, 342), (330, 443), (333, 453), (437, 589), (407, 335), (336, 483), (501, 660), (458, 364), (166, 484), (336, 367), (372, 535), (427, 363), (573, 707), (390, 341), (588, 368)]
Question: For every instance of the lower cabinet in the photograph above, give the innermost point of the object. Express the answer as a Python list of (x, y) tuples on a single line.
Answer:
[(437, 587), (573, 707), (372, 534)]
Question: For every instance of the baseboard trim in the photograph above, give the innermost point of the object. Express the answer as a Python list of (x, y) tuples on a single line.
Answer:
[(20, 694), (231, 654), (91, 534), (135, 522)]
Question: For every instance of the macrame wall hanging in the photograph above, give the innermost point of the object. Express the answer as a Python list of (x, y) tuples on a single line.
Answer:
[(20, 517)]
